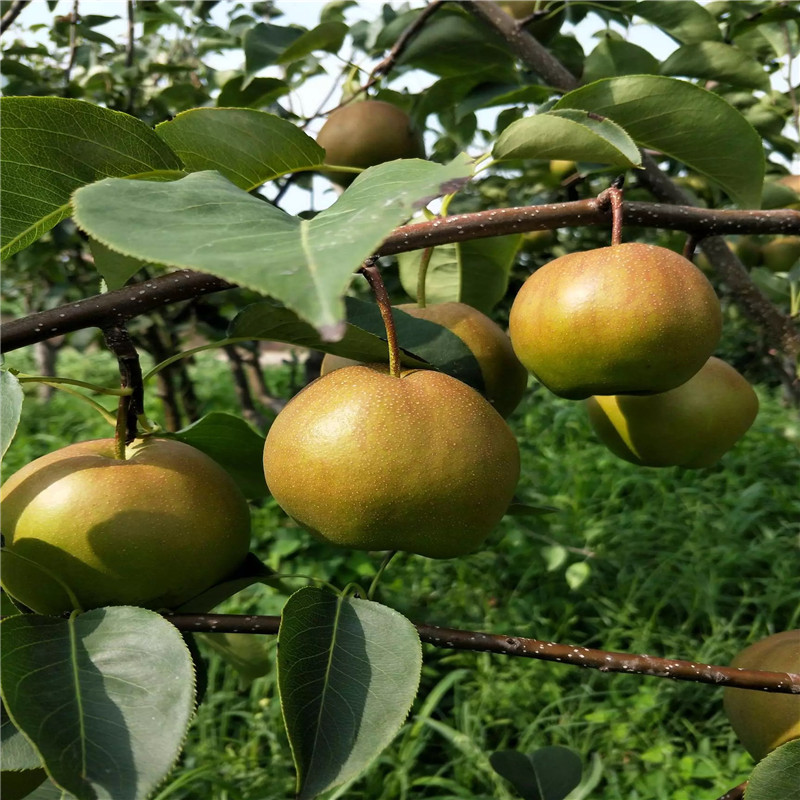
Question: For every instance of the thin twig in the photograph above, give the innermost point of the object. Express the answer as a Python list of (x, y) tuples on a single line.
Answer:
[(129, 55), (373, 275), (13, 12), (131, 406), (589, 658)]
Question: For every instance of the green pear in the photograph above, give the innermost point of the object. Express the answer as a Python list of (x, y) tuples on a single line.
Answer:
[(781, 253), (627, 319), (693, 425), (365, 133), (764, 721), (370, 461)]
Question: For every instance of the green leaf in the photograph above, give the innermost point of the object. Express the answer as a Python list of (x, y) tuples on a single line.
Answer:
[(11, 397), (16, 752), (105, 697), (234, 445), (250, 654), (563, 134), (264, 44), (256, 93), (488, 95), (613, 57), (577, 574), (685, 122), (549, 773), (776, 777), (452, 43), (422, 343), (684, 20), (348, 671), (247, 146), (206, 223), (473, 272), (75, 143), (715, 61), (115, 268), (327, 36)]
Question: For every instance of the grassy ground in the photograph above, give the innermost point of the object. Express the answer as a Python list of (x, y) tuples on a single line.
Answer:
[(692, 564)]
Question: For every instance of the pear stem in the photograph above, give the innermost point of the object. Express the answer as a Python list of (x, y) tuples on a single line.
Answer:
[(131, 406), (373, 276), (422, 274), (614, 196)]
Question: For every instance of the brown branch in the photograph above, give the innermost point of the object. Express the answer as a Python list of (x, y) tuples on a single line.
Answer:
[(604, 661), (73, 46), (13, 12), (129, 54), (387, 64), (123, 304), (373, 275)]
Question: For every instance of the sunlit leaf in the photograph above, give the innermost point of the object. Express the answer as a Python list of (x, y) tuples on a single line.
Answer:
[(566, 135), (776, 776), (684, 20), (204, 222), (247, 146), (685, 122), (472, 272)]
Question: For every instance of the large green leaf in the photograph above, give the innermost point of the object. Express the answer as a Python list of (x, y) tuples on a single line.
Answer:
[(715, 61), (51, 146), (348, 671), (569, 135), (474, 272), (684, 20), (11, 397), (204, 222), (422, 343), (685, 122), (247, 146), (777, 777), (105, 697), (234, 445), (613, 57)]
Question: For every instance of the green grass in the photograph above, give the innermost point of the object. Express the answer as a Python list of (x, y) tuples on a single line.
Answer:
[(678, 563)]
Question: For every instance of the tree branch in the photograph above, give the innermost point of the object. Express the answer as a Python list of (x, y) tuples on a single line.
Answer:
[(119, 306), (13, 12), (457, 639), (737, 793)]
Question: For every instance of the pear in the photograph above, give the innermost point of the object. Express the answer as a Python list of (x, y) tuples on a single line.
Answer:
[(370, 461), (765, 721), (627, 319), (693, 425), (366, 133), (781, 253)]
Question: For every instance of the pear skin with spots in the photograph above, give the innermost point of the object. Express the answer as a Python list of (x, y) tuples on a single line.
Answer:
[(627, 319), (366, 460)]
